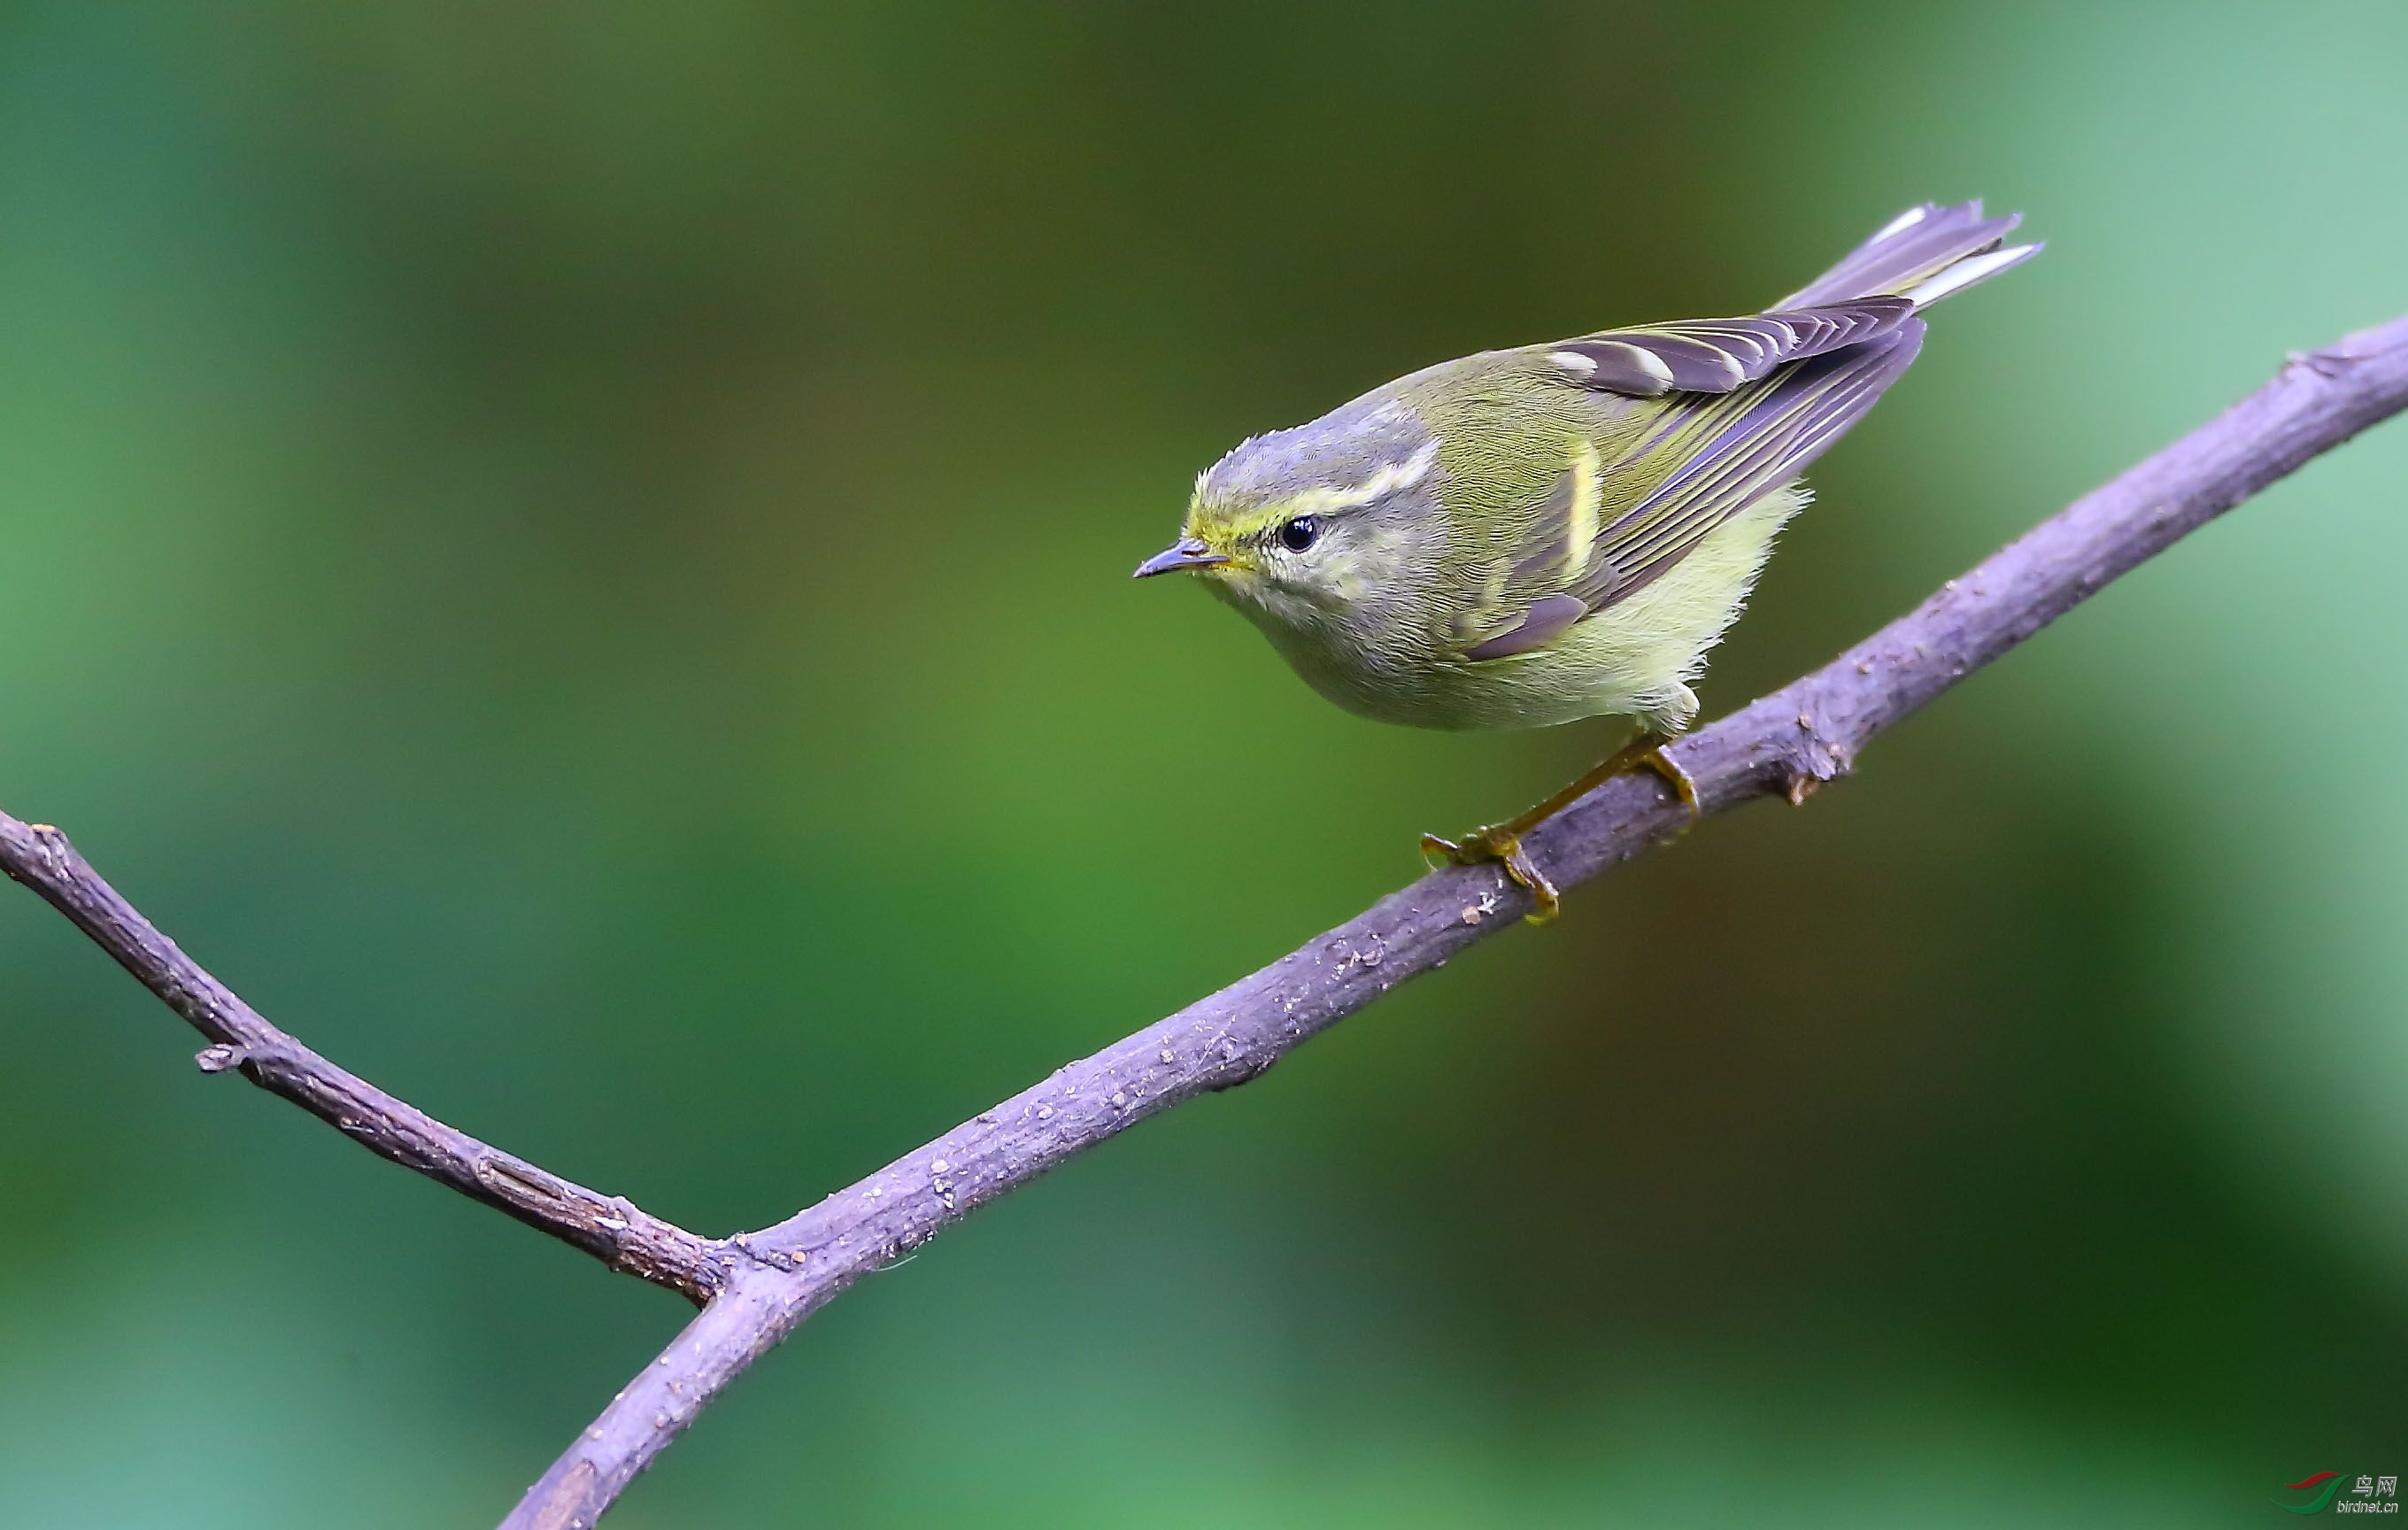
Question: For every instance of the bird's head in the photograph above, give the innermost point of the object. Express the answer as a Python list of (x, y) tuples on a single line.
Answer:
[(1305, 527)]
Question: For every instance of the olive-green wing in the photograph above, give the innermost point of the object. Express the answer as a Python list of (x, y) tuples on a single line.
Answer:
[(1701, 458)]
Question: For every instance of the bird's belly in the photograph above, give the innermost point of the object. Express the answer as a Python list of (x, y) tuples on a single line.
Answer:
[(1562, 683)]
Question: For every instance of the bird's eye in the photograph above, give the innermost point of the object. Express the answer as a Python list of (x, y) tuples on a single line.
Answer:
[(1299, 534)]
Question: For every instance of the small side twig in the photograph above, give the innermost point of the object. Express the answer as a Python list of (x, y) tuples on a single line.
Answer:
[(605, 1226)]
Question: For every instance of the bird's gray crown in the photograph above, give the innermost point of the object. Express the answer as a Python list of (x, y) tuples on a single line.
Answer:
[(1344, 449)]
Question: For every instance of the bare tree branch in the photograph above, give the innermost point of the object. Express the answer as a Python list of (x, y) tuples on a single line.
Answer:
[(1805, 734), (604, 1227), (758, 1287)]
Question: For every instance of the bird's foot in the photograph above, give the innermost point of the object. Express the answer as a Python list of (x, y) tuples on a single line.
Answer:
[(1661, 763), (1502, 842), (1502, 845)]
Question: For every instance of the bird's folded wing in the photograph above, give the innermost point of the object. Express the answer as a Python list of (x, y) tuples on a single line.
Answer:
[(1712, 458), (1703, 458)]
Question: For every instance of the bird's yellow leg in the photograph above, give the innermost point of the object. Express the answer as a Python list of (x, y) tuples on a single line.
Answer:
[(1502, 842), (1683, 787)]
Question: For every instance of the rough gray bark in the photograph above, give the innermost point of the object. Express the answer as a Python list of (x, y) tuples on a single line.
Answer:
[(761, 1285)]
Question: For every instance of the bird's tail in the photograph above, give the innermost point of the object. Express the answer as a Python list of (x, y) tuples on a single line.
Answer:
[(1924, 254)]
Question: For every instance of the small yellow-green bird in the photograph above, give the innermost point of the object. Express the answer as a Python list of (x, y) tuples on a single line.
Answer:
[(1529, 536)]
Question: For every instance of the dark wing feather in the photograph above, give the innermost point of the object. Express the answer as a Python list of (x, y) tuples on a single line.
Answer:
[(1543, 624), (1721, 355)]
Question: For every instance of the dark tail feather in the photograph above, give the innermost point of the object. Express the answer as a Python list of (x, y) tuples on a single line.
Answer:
[(1925, 253)]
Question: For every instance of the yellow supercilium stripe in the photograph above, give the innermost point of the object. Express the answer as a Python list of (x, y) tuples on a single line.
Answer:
[(1326, 501)]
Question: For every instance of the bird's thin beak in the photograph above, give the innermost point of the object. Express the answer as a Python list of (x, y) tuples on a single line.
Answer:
[(1187, 552)]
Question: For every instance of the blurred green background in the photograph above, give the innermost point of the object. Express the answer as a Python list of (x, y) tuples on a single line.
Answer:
[(576, 556)]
